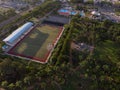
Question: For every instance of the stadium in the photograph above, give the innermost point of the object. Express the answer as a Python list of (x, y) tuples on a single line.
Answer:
[(35, 42)]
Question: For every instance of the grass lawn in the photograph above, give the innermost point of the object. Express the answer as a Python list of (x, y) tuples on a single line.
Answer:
[(108, 50), (35, 44)]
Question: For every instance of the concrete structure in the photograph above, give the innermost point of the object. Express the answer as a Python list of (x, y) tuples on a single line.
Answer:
[(16, 35), (57, 20)]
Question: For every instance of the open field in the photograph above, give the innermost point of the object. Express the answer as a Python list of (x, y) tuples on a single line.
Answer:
[(36, 45)]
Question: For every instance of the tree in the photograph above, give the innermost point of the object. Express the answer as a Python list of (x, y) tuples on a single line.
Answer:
[(11, 86), (83, 64), (118, 39), (18, 84), (105, 67), (4, 84), (43, 85), (27, 80)]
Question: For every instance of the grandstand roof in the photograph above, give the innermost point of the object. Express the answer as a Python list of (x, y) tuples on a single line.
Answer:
[(57, 19), (17, 33)]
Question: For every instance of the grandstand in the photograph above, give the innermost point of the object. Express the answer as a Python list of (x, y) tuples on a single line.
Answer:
[(57, 20), (13, 38)]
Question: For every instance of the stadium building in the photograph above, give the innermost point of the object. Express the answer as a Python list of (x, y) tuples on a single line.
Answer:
[(56, 20), (18, 34)]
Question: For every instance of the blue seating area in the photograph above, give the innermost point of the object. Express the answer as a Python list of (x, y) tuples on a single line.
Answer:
[(63, 11), (70, 12)]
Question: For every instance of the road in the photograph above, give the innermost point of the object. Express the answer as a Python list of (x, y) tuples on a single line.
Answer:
[(111, 15), (8, 20), (17, 16), (12, 19), (109, 12)]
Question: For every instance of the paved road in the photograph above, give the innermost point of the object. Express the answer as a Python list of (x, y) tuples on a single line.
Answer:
[(14, 17), (17, 16), (8, 20)]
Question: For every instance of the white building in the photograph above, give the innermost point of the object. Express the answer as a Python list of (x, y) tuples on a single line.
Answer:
[(13, 38)]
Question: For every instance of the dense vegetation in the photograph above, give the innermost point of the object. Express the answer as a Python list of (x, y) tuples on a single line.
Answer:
[(71, 69), (101, 68), (95, 70)]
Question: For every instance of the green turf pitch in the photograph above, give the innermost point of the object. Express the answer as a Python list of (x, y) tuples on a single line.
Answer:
[(36, 43)]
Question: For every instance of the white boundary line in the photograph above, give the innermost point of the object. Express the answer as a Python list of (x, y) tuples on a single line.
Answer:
[(25, 58)]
